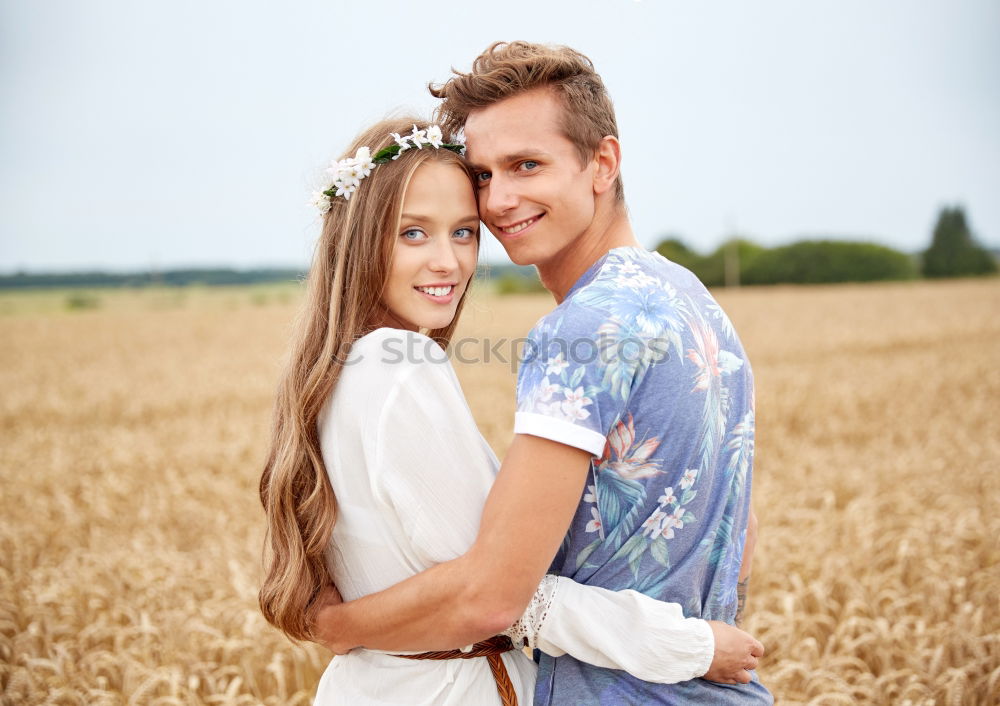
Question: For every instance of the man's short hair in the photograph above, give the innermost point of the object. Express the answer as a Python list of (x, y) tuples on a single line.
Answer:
[(507, 69)]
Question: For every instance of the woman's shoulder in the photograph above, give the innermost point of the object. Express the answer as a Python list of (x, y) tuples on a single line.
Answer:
[(395, 355), (385, 364), (394, 346)]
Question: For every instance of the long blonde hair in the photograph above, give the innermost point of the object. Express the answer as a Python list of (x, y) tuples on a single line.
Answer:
[(342, 303)]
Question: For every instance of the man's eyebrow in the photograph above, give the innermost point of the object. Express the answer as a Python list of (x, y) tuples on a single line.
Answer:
[(515, 157)]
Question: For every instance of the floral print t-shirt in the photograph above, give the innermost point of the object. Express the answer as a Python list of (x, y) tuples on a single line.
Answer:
[(640, 366)]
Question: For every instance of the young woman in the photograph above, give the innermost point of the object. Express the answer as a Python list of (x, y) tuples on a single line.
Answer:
[(376, 468)]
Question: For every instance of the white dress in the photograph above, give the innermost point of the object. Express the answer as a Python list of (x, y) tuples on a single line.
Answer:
[(411, 473)]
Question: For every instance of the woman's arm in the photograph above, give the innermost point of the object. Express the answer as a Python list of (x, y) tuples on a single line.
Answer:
[(649, 639)]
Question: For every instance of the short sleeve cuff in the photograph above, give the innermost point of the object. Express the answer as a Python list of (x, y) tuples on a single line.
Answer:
[(559, 430)]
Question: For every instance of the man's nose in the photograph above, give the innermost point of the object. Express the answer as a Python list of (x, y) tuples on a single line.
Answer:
[(500, 196)]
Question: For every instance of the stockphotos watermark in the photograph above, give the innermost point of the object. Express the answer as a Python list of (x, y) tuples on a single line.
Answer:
[(513, 352)]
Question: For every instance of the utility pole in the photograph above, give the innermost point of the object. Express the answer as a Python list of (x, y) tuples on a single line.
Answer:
[(731, 257)]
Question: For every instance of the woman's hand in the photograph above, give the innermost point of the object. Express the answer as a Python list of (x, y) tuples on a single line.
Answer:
[(736, 653)]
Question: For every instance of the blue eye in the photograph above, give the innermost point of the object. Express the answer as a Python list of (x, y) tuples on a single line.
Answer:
[(529, 165), (412, 234), (464, 233), (483, 178)]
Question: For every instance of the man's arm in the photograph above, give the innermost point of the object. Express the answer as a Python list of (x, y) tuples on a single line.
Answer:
[(483, 592), (743, 583)]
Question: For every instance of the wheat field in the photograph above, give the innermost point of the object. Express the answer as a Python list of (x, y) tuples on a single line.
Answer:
[(133, 430)]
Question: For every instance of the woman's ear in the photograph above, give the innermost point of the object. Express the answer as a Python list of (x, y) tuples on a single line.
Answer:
[(608, 159)]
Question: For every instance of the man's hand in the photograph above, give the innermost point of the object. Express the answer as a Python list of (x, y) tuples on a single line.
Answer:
[(328, 597), (736, 652)]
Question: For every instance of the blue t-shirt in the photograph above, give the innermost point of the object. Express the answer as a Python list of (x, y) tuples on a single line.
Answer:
[(640, 366)]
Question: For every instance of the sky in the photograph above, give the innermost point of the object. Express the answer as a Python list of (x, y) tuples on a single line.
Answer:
[(138, 135)]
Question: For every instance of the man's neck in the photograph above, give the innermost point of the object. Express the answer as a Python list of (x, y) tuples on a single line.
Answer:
[(610, 230)]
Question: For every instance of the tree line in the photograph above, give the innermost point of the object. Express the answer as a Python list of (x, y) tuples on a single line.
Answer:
[(167, 278), (953, 252)]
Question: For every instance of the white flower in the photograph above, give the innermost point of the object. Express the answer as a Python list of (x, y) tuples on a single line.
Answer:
[(628, 268), (667, 497), (688, 480), (345, 190), (363, 163), (546, 389), (595, 524), (434, 137), (556, 365), (551, 409), (418, 137), (403, 142), (591, 495), (347, 175), (653, 523), (576, 396), (344, 173), (573, 406), (321, 201), (669, 522)]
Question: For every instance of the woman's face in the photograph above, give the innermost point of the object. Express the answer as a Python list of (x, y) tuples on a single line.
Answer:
[(435, 251)]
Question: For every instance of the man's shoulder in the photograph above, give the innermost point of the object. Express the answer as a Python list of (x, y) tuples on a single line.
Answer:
[(626, 282)]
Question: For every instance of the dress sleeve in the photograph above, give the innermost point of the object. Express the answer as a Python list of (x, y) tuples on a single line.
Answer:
[(433, 466), (627, 630)]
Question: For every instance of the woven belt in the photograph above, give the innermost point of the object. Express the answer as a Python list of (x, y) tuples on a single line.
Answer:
[(490, 649)]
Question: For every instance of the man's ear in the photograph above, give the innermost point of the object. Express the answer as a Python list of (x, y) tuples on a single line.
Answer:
[(608, 159)]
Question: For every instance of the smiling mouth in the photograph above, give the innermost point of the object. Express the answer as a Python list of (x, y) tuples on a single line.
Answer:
[(437, 291), (518, 227)]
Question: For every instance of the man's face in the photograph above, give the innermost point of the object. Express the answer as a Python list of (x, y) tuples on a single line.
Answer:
[(533, 194)]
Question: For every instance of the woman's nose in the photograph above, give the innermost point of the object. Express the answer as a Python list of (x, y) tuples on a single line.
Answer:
[(443, 256)]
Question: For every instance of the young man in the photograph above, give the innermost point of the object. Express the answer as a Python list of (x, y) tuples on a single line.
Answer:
[(634, 428)]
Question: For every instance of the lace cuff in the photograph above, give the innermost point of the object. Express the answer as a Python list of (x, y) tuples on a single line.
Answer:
[(525, 630)]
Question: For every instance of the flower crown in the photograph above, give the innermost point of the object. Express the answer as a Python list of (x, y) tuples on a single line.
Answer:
[(345, 175)]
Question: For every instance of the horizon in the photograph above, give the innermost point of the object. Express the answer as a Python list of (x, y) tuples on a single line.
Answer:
[(304, 267)]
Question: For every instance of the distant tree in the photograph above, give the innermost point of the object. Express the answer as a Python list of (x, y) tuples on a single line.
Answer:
[(675, 250), (509, 279), (515, 284), (953, 251), (817, 261), (170, 278), (712, 269)]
